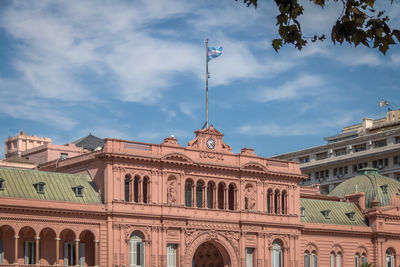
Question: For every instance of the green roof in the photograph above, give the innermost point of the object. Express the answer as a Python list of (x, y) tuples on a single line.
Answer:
[(339, 212), (21, 183), (373, 184)]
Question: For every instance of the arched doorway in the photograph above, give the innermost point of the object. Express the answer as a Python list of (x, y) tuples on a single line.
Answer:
[(211, 254)]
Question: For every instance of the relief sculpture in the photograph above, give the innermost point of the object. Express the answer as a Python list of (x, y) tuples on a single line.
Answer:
[(171, 192)]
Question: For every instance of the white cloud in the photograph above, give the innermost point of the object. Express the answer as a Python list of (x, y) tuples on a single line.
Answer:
[(317, 127), (304, 85)]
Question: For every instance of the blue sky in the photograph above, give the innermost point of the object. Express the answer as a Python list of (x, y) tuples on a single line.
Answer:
[(136, 70)]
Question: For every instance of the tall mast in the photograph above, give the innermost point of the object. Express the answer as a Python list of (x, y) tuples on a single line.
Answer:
[(207, 83)]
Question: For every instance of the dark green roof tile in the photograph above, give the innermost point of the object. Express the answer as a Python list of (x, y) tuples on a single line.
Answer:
[(313, 211), (19, 183)]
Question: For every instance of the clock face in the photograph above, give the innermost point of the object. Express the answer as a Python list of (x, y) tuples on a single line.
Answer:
[(210, 143)]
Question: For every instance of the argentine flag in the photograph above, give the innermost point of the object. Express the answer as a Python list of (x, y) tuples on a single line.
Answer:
[(214, 52)]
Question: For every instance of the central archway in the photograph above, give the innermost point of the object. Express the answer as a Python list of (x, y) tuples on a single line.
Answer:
[(211, 250), (208, 255)]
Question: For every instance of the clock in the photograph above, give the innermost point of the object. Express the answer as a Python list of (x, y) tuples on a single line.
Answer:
[(210, 143)]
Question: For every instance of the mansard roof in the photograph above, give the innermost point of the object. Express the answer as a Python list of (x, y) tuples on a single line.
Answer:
[(89, 142), (314, 210), (20, 183), (374, 185)]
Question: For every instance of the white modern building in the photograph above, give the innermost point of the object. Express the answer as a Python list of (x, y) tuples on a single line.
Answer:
[(372, 143)]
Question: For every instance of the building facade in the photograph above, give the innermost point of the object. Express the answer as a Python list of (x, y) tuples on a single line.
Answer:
[(40, 150), (372, 143), (199, 205)]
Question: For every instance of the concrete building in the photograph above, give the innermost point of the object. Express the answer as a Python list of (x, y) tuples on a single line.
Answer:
[(40, 149), (372, 143), (168, 205)]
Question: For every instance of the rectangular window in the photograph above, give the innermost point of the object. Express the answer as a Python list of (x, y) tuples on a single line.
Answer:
[(397, 140), (356, 261), (304, 159), (30, 252), (340, 152), (346, 171), (69, 254), (355, 169), (171, 255), (317, 175), (395, 160), (326, 173), (322, 156), (249, 257), (63, 155), (81, 254), (360, 148), (335, 172), (1, 252), (375, 164), (380, 143)]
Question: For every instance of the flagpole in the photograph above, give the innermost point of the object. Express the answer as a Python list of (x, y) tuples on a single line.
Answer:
[(207, 83)]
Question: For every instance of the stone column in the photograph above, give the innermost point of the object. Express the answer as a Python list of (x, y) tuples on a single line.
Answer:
[(37, 239), (96, 252), (16, 238), (77, 252), (57, 250)]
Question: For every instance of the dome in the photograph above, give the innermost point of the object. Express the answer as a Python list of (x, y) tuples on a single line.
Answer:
[(373, 184)]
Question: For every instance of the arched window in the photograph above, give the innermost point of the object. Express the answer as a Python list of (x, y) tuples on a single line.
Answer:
[(136, 250), (276, 201), (210, 195), (332, 259), (128, 188), (390, 258), (146, 189), (269, 201), (310, 259), (276, 256), (136, 189), (314, 259), (188, 193), (307, 259), (221, 189), (231, 197), (364, 258), (284, 202), (339, 259), (357, 260), (199, 194)]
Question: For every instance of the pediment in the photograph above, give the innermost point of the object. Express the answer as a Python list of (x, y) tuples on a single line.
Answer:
[(177, 157), (254, 166)]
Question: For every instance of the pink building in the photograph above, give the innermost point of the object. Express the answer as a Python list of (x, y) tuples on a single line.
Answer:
[(199, 205), (41, 150)]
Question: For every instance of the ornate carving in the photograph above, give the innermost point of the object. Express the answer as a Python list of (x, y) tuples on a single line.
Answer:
[(171, 191)]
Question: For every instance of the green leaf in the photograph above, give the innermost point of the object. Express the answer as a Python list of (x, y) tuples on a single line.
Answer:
[(277, 44)]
